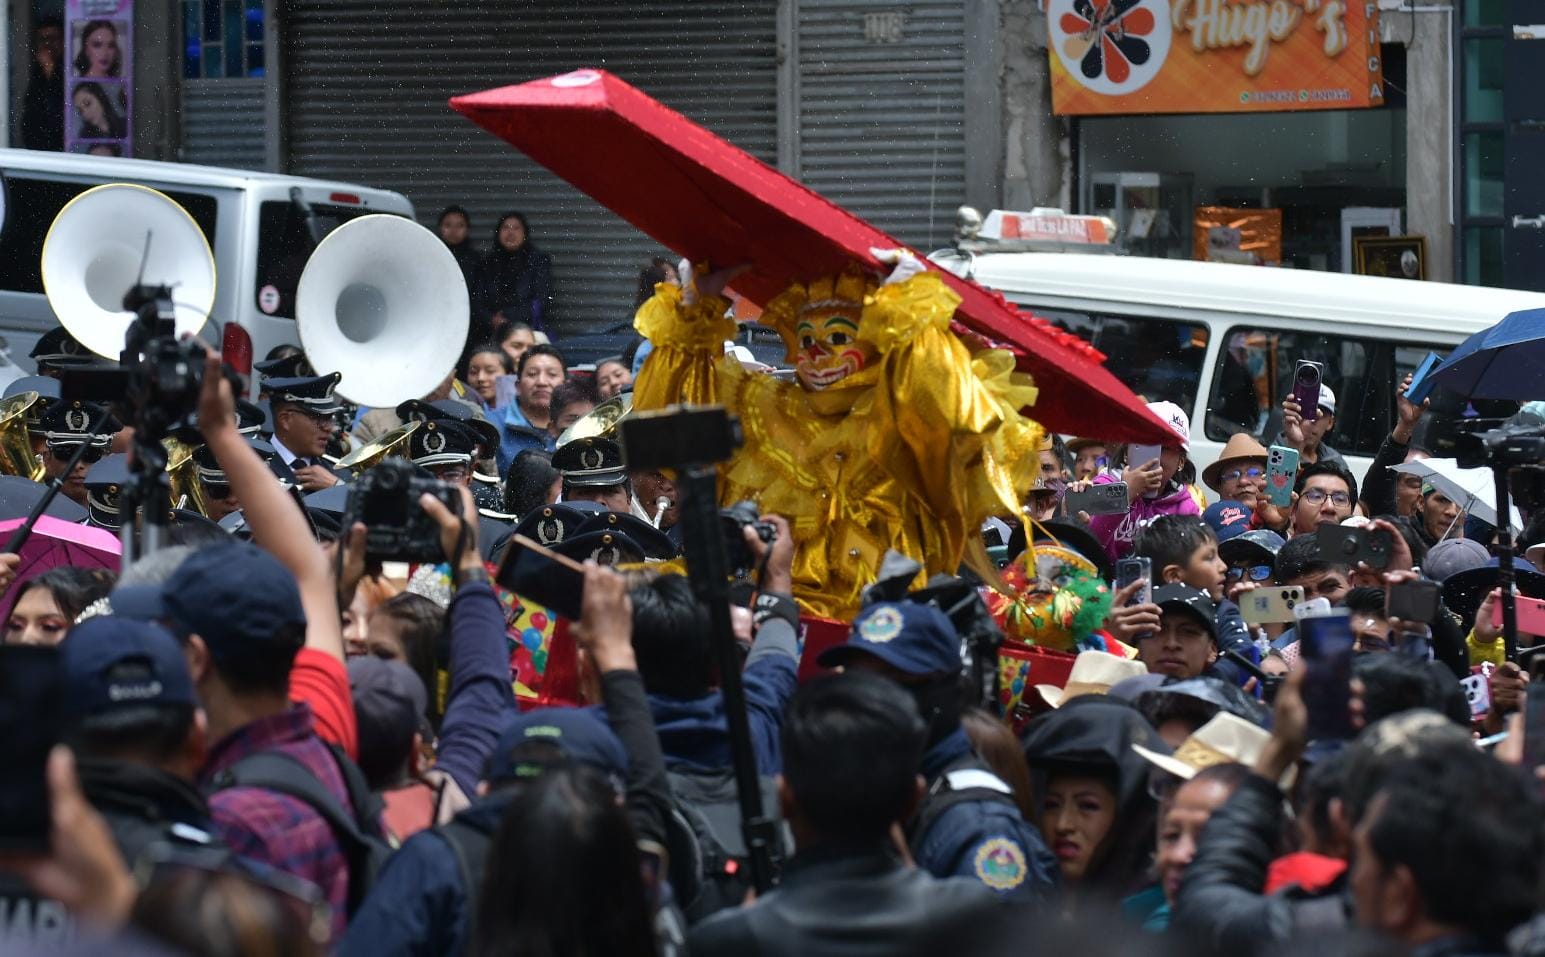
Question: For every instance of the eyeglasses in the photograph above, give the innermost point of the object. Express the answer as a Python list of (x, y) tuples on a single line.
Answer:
[(1255, 573), (64, 452), (217, 489), (1317, 496), (1234, 475), (452, 473)]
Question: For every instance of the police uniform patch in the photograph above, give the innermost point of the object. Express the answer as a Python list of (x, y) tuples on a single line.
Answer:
[(1000, 864), (881, 626)]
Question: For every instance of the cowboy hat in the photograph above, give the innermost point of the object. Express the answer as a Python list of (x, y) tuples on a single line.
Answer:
[(1093, 673), (1241, 445), (1226, 739)]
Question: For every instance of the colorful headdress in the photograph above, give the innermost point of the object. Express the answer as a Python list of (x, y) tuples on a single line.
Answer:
[(1056, 598), (845, 293)]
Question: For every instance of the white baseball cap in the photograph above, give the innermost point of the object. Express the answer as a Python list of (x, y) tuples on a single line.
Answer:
[(1327, 399), (1175, 417)]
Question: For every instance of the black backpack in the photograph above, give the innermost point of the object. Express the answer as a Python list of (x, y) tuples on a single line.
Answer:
[(710, 869), (357, 827)]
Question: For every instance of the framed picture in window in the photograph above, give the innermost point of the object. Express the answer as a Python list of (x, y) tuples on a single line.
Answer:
[(1396, 257)]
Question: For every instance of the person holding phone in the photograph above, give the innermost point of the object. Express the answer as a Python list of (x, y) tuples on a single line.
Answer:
[(1306, 434), (1151, 485), (1386, 492), (1325, 492)]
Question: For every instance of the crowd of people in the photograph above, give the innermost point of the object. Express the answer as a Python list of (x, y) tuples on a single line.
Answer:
[(273, 742)]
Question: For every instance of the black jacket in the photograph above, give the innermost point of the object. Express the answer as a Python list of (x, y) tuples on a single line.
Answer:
[(1379, 483), (519, 285), (145, 807), (1222, 899), (42, 111), (855, 900)]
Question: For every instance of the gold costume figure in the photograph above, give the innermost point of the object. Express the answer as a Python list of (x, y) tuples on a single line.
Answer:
[(895, 435)]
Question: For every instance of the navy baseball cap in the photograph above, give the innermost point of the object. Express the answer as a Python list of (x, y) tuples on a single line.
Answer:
[(578, 732), (111, 663), (913, 638), (234, 596), (1227, 519), (1190, 600)]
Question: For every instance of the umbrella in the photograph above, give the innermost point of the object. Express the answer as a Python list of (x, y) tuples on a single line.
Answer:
[(1506, 361), (53, 543), (713, 202), (1474, 490), (18, 495)]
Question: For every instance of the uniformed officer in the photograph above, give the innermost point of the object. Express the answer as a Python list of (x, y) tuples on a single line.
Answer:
[(487, 490), (303, 421), (57, 350), (593, 470), (968, 823), (218, 498), (104, 483), (66, 425), (617, 538)]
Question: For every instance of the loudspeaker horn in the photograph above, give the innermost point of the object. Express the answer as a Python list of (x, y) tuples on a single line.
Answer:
[(382, 302), (112, 237)]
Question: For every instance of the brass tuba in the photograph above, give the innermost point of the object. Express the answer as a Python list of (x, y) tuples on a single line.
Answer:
[(187, 490), (601, 421), (16, 455), (393, 443)]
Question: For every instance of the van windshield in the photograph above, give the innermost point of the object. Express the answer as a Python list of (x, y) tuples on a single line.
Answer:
[(32, 204), (1159, 359), (284, 246)]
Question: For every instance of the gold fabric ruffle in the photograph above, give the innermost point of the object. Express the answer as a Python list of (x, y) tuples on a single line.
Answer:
[(912, 453)]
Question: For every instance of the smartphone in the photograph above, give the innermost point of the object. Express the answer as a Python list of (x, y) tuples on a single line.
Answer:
[(1307, 376), (1140, 455), (1281, 473), (1534, 726), (1413, 600), (1325, 646), (536, 572), (31, 690), (1109, 499), (1312, 608), (1351, 545), (1530, 612), (1477, 688), (1420, 387), (1129, 570), (1264, 606)]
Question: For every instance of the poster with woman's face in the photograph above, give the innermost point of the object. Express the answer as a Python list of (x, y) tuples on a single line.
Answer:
[(99, 77)]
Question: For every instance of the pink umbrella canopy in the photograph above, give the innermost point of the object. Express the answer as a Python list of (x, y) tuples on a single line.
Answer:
[(53, 543)]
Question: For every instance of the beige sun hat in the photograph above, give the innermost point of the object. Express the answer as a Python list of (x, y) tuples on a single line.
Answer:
[(1226, 739), (1093, 673)]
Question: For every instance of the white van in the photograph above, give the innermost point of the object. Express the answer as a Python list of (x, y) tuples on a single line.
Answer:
[(1222, 340), (259, 235)]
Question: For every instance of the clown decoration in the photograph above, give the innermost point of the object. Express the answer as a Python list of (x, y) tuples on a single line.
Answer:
[(895, 435)]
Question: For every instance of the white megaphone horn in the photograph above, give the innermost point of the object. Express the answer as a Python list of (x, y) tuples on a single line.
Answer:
[(383, 303), (112, 238)]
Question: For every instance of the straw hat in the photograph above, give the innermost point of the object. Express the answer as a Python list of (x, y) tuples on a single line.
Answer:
[(1225, 739), (1093, 673), (1241, 445)]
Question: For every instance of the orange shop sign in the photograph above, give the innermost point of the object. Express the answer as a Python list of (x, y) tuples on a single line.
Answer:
[(1213, 56)]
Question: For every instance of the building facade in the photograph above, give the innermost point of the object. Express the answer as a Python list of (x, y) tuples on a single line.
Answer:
[(900, 111)]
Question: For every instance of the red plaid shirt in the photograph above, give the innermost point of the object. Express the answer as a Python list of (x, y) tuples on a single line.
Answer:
[(274, 829)]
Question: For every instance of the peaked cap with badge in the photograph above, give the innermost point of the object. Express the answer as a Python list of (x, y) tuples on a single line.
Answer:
[(592, 462), (313, 393)]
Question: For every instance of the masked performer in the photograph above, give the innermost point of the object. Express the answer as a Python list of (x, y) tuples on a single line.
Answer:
[(894, 436)]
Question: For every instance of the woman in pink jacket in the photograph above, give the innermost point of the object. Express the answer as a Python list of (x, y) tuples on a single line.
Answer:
[(1151, 486)]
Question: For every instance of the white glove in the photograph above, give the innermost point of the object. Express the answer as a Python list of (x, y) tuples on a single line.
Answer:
[(906, 265), (688, 282)]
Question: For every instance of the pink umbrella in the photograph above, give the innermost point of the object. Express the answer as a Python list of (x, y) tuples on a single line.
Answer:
[(54, 542)]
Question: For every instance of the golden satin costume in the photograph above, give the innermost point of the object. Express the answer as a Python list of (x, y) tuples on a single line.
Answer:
[(912, 451)]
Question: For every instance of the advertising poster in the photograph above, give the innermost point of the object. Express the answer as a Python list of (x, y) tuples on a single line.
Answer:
[(1250, 237), (1213, 56), (99, 71)]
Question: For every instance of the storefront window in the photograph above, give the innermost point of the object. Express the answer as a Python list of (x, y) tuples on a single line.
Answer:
[(1483, 174), (1483, 80), (222, 38), (1483, 255)]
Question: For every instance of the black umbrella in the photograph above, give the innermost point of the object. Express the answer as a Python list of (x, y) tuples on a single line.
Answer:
[(18, 495)]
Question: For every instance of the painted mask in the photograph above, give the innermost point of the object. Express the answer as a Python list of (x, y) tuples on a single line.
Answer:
[(827, 348)]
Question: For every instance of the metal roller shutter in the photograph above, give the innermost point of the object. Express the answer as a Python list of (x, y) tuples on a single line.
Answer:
[(881, 93), (367, 85), (222, 123)]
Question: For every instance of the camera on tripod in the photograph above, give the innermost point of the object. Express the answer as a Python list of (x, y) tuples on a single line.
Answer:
[(1518, 449)]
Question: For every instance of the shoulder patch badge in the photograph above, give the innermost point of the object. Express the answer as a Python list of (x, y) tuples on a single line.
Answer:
[(881, 626), (1000, 864)]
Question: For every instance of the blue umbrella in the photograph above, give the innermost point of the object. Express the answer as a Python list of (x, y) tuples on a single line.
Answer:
[(1506, 361)]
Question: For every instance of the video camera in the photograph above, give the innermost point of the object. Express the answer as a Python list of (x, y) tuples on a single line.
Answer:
[(397, 528), (1513, 446)]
